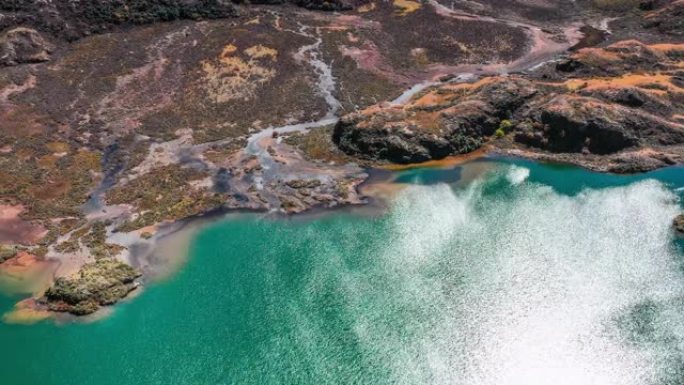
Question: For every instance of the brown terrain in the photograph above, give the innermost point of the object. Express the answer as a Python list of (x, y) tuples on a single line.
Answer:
[(120, 118)]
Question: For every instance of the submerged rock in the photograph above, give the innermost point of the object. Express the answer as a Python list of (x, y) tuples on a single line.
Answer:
[(97, 284)]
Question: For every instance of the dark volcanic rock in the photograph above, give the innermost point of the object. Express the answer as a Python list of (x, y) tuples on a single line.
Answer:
[(460, 131), (631, 97), (436, 125), (23, 45), (100, 283), (320, 5), (576, 124)]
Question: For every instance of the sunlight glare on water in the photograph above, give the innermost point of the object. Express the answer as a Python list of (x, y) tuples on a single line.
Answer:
[(527, 287)]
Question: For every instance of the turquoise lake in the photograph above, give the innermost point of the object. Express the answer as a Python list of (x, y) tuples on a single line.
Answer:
[(526, 274)]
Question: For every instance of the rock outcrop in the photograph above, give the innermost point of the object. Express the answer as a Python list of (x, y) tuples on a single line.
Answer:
[(101, 283), (23, 45), (436, 124), (584, 124), (616, 101)]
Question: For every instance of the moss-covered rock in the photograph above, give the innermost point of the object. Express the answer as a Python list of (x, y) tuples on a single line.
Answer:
[(101, 283)]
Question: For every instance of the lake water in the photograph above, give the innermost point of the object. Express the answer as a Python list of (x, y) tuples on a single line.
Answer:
[(520, 274)]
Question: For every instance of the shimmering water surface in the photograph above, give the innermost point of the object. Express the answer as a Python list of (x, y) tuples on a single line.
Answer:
[(526, 274)]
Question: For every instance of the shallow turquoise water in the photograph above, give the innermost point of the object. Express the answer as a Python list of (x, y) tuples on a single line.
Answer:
[(530, 274)]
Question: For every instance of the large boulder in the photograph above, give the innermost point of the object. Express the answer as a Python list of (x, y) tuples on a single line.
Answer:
[(23, 45)]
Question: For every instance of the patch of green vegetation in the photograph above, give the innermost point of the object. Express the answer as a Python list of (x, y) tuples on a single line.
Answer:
[(48, 185), (303, 183), (505, 126), (317, 145), (96, 242), (164, 194)]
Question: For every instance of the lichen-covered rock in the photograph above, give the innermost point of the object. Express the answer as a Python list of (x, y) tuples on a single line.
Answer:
[(23, 45), (101, 283)]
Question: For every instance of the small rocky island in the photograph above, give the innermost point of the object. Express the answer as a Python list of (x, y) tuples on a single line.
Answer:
[(100, 283), (120, 119)]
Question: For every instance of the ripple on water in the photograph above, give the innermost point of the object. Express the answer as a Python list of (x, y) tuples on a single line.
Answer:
[(512, 285)]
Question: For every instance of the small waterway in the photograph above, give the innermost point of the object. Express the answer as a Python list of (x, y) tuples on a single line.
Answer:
[(492, 272), (325, 87)]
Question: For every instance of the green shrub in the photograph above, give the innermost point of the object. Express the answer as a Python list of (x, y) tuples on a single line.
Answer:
[(505, 125)]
